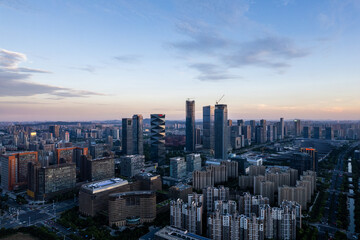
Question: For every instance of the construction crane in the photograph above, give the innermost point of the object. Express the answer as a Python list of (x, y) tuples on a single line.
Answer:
[(217, 102)]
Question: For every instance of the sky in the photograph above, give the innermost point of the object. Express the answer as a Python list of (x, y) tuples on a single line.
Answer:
[(108, 59)]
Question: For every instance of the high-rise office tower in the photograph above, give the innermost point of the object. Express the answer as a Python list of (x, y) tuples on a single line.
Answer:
[(301, 162), (264, 133), (127, 136), (240, 123), (193, 162), (306, 132), (281, 129), (208, 127), (253, 130), (259, 134), (197, 136), (317, 132), (132, 135), (221, 131), (177, 167), (157, 138), (329, 133), (314, 155), (297, 127), (246, 131), (190, 125), (55, 130), (138, 140), (270, 133), (275, 132)]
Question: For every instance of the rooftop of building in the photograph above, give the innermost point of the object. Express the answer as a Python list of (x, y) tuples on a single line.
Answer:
[(132, 156), (101, 159), (177, 159), (132, 193), (182, 186), (104, 185), (18, 152), (61, 165), (213, 161), (146, 175), (178, 233), (273, 169)]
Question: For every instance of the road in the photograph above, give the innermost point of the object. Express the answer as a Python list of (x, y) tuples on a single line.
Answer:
[(27, 215), (330, 214)]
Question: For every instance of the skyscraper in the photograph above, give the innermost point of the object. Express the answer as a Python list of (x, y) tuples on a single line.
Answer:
[(127, 136), (193, 162), (221, 131), (317, 132), (240, 122), (190, 125), (253, 130), (208, 127), (157, 138), (306, 132), (132, 135), (297, 127), (314, 155), (138, 140), (329, 133), (281, 129), (259, 134), (55, 130), (264, 133)]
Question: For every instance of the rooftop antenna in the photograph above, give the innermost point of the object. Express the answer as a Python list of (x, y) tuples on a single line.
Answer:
[(217, 102)]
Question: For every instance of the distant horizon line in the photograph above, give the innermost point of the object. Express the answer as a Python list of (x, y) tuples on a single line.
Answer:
[(182, 120)]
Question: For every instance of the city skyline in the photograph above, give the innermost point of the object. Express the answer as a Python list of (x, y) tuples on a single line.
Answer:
[(81, 61)]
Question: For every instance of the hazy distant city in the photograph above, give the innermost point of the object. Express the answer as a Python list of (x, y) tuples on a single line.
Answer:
[(179, 120)]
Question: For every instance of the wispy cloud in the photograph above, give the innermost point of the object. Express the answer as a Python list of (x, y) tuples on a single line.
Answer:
[(286, 2), (270, 52), (9, 59), (127, 58), (212, 72), (200, 38), (14, 80), (87, 68)]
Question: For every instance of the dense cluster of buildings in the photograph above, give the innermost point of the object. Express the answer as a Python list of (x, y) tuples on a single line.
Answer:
[(115, 173), (249, 217)]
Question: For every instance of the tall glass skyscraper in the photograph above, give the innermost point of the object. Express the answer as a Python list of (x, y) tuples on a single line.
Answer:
[(132, 135), (253, 125), (190, 125), (208, 127), (221, 131), (127, 136), (281, 129), (157, 138), (138, 139), (297, 127)]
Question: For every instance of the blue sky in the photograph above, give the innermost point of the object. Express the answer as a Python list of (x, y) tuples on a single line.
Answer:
[(96, 60)]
